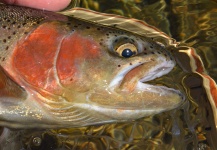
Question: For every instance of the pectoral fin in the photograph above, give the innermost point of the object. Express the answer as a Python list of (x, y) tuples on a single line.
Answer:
[(9, 90)]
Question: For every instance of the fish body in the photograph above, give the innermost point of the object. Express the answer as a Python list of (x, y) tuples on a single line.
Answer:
[(59, 71)]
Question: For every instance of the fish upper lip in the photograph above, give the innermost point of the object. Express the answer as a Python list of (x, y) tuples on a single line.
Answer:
[(157, 71)]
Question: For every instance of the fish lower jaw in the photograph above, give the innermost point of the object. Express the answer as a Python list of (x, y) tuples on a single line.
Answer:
[(110, 115)]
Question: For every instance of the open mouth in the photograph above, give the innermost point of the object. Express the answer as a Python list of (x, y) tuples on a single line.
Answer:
[(145, 99), (140, 79), (141, 74)]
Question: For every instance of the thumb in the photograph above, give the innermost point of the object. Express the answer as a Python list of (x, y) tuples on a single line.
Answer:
[(52, 5)]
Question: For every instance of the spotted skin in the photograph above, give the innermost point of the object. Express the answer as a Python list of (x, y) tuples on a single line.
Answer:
[(71, 72)]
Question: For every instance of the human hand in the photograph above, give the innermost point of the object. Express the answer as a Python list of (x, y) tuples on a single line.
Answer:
[(52, 5)]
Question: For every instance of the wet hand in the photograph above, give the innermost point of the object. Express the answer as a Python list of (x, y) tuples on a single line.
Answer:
[(52, 5)]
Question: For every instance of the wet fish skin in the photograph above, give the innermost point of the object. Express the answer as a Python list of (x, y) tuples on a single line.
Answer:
[(71, 72)]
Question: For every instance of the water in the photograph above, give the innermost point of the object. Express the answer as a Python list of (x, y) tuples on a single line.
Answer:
[(191, 126)]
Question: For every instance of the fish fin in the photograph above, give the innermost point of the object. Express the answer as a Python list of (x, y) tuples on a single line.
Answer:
[(9, 90)]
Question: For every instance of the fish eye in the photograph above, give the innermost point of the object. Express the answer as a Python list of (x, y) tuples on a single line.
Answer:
[(127, 50)]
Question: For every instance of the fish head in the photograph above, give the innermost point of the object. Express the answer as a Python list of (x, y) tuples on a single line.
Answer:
[(71, 72), (113, 70)]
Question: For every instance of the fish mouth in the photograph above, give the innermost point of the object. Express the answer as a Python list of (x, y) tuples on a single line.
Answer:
[(156, 71), (121, 103)]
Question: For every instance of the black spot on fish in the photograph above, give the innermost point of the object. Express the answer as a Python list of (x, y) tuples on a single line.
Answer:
[(4, 40), (152, 52), (151, 46), (159, 52), (130, 63), (145, 53), (116, 40), (9, 37), (87, 27), (119, 65), (6, 48), (68, 23), (98, 28)]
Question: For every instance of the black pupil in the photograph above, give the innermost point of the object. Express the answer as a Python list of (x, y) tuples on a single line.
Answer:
[(127, 53)]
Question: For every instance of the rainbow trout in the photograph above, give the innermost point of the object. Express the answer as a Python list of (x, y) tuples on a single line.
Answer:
[(59, 71)]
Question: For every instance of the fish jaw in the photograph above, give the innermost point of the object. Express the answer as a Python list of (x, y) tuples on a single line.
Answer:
[(128, 98)]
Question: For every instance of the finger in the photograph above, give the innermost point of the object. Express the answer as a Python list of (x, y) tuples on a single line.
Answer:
[(52, 5)]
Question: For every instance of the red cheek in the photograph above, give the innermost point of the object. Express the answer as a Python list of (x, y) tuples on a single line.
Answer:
[(47, 55), (34, 56), (75, 49)]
